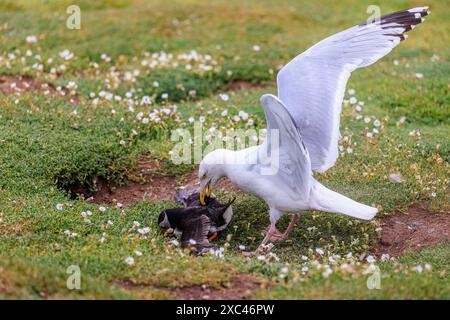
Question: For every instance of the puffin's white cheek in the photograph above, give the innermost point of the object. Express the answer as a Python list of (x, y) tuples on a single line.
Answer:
[(165, 223)]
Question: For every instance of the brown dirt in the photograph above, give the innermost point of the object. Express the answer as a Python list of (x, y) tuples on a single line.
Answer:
[(18, 84), (413, 230), (241, 287), (146, 183), (246, 85)]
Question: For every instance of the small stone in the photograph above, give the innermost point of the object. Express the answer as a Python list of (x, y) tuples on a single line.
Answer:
[(396, 178)]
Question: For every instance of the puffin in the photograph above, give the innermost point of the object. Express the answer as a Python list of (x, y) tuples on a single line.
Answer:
[(197, 224)]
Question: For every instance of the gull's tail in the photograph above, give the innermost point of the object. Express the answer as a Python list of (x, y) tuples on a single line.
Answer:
[(324, 199)]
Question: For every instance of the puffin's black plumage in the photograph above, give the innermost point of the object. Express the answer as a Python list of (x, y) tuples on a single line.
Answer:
[(195, 222)]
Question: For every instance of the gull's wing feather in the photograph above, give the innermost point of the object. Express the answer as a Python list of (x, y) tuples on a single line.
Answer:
[(287, 154), (312, 85)]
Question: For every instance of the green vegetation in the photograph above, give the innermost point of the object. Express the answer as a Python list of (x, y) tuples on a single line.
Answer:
[(177, 58)]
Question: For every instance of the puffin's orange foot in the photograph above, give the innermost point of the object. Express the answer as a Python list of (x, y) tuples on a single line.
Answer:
[(213, 236)]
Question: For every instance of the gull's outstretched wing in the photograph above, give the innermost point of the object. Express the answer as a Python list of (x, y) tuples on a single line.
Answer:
[(312, 85), (283, 153)]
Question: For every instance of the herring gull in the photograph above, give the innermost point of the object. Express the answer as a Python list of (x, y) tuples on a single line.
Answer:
[(305, 118)]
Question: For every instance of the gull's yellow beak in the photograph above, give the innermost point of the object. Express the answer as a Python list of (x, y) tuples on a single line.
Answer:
[(205, 191)]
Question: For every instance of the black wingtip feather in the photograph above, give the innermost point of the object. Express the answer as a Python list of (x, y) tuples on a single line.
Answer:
[(405, 18)]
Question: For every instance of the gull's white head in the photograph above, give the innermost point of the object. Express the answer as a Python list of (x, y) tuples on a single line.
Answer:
[(211, 170)]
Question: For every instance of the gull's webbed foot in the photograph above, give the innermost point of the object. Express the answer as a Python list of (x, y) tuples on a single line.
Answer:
[(273, 235)]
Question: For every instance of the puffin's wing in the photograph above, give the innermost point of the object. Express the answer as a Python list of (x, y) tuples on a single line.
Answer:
[(283, 154), (195, 231), (312, 85)]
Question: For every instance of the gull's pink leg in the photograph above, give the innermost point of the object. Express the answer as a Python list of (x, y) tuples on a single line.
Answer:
[(272, 234)]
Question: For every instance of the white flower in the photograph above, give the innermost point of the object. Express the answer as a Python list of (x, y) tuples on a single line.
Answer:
[(224, 96), (370, 259), (192, 242), (66, 55), (427, 266), (261, 258), (304, 258), (110, 222), (59, 206), (71, 85), (377, 123), (191, 119), (327, 272), (165, 96), (401, 120), (367, 119), (419, 75), (349, 150), (284, 270), (175, 242), (395, 62), (385, 256), (31, 39), (351, 91), (138, 253), (146, 100), (419, 268), (224, 113), (144, 230), (353, 100), (433, 194), (243, 115), (256, 47), (102, 209), (241, 247), (136, 223), (434, 58), (319, 251), (129, 260)]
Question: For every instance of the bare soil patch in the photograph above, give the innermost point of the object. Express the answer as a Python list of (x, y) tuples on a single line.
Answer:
[(19, 84), (415, 229), (246, 85), (240, 287), (147, 183), (144, 184)]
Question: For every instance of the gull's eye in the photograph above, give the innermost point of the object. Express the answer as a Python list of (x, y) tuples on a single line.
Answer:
[(203, 176)]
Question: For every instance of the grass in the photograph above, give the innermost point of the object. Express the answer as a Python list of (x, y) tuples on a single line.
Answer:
[(49, 144)]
